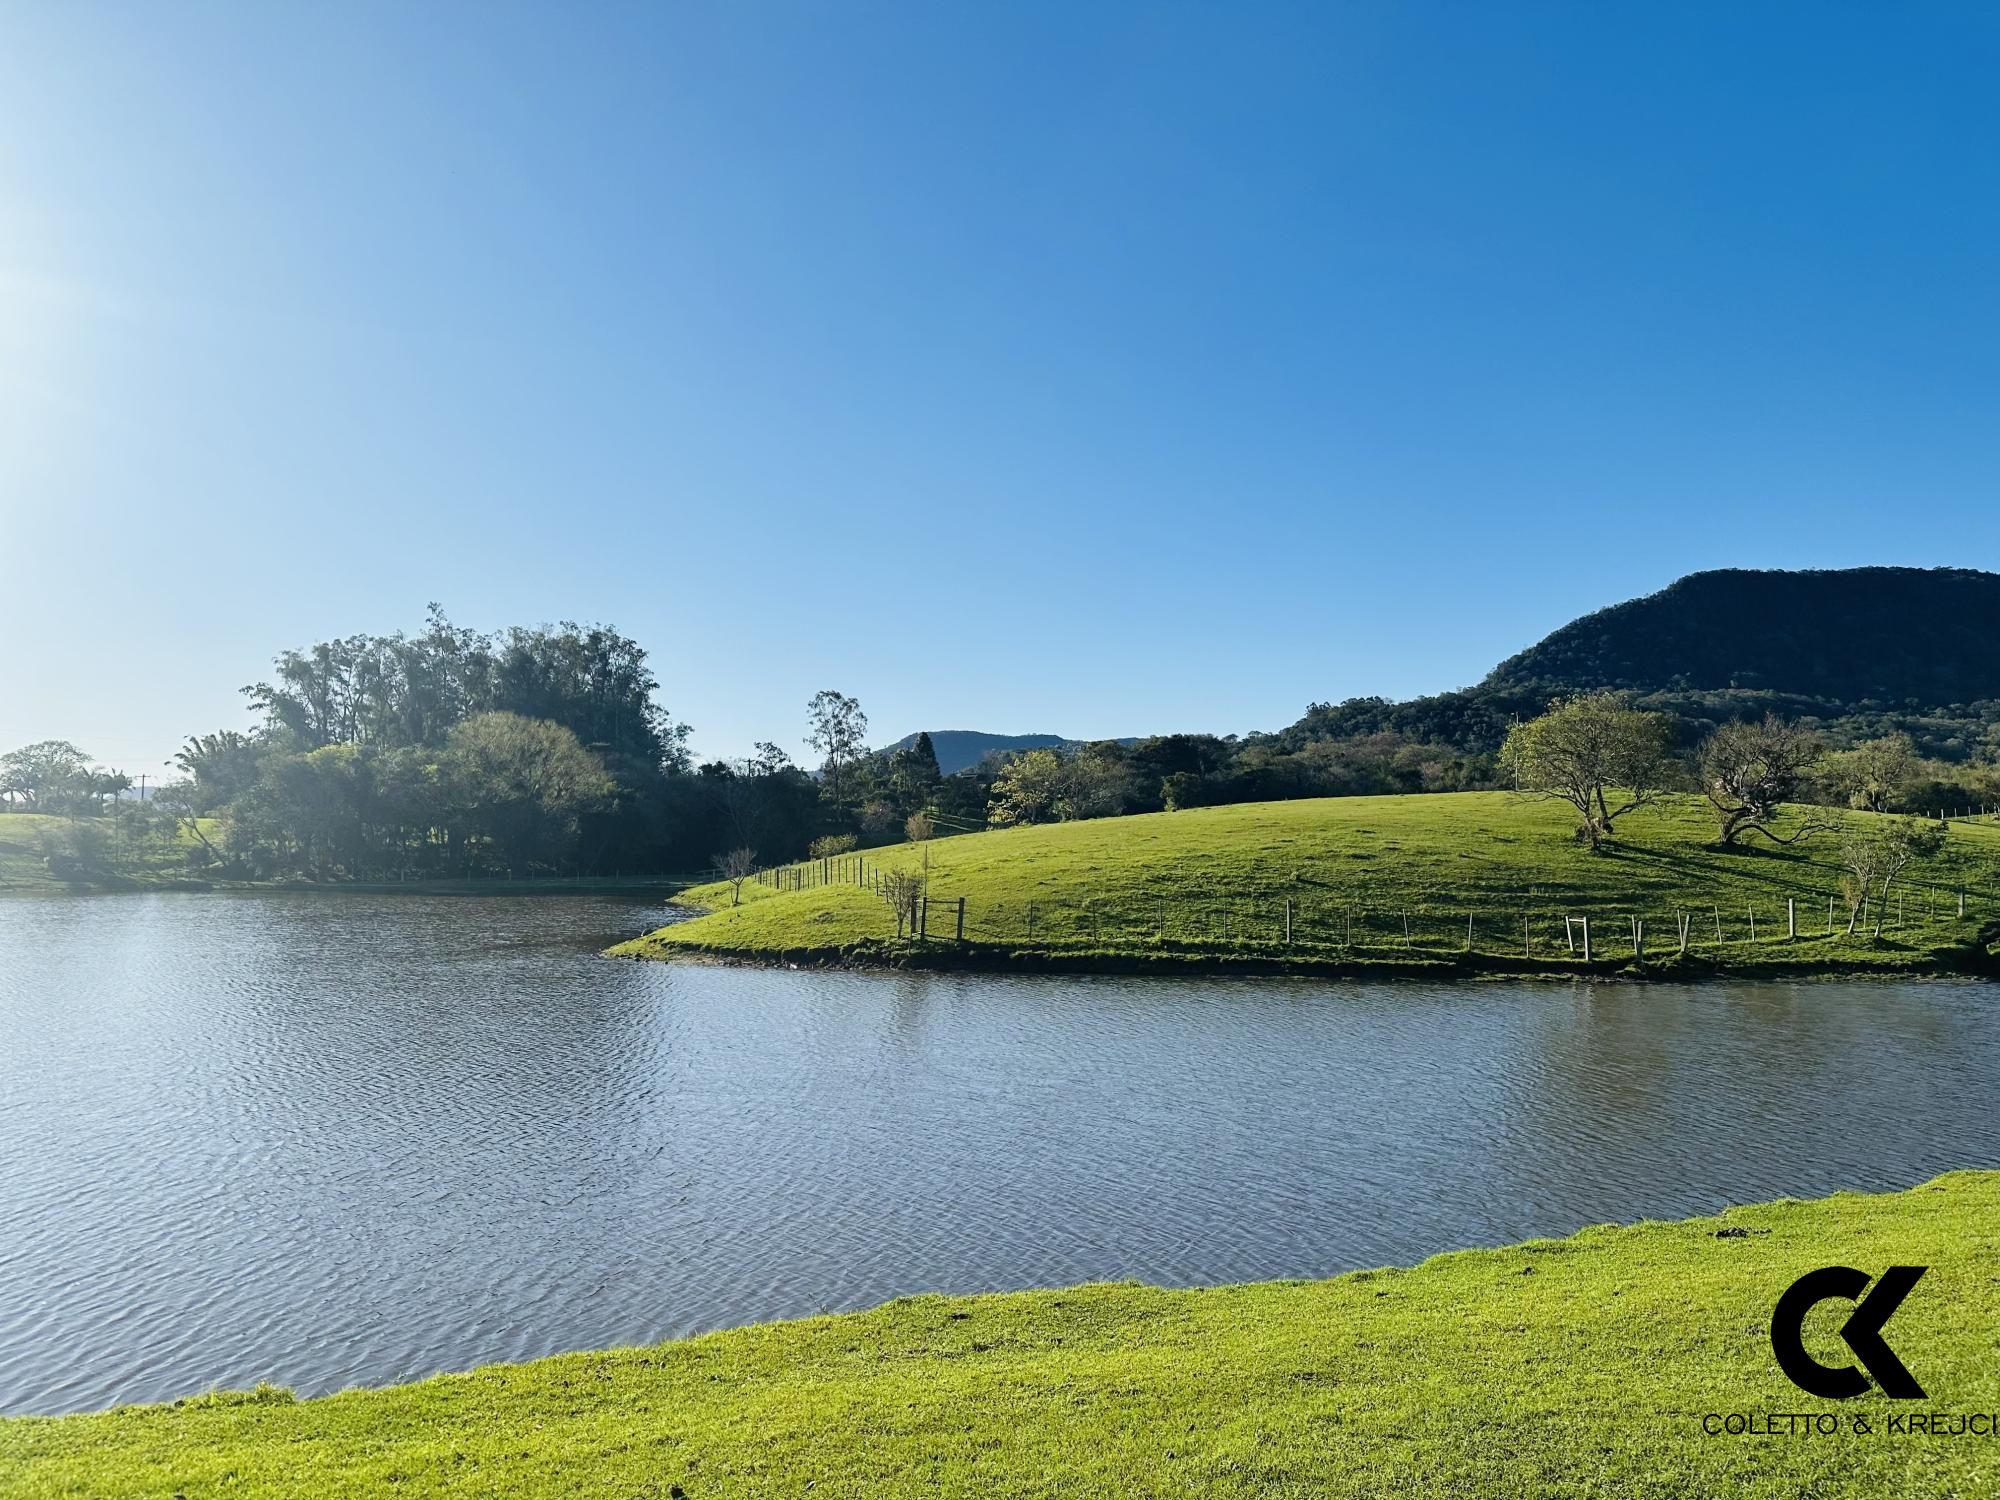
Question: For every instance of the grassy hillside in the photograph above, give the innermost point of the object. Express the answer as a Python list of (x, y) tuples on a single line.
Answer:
[(27, 838), (1577, 1367), (1380, 882)]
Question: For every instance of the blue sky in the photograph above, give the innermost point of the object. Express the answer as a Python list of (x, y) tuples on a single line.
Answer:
[(1087, 369)]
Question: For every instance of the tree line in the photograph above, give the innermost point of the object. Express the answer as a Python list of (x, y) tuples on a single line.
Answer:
[(543, 751)]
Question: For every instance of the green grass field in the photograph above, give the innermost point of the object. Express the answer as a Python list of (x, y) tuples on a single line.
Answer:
[(1377, 883), (1576, 1367), (26, 837)]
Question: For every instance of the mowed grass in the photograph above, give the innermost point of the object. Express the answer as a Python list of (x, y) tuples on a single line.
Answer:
[(1379, 882), (24, 837), (1576, 1367)]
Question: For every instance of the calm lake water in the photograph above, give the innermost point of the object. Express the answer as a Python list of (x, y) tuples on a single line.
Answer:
[(329, 1140)]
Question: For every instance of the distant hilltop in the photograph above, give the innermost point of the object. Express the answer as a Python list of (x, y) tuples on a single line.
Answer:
[(1833, 645), (961, 749), (1900, 637), (1861, 652)]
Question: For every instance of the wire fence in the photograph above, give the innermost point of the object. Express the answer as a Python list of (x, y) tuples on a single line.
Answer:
[(1533, 925)]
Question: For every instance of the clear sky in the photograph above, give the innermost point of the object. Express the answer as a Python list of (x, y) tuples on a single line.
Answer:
[(1066, 368)]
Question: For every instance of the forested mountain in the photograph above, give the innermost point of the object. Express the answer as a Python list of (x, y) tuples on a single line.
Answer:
[(1856, 653), (961, 749), (1901, 638)]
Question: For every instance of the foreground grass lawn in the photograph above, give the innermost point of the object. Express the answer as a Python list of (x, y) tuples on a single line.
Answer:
[(1380, 882), (1577, 1367)]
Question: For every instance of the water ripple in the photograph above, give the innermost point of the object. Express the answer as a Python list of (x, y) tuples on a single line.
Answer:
[(329, 1140)]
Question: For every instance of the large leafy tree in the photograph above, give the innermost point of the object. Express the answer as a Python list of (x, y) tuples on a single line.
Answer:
[(838, 729), (47, 776), (596, 684), (1044, 786), (1876, 773), (219, 767), (397, 690), (401, 701), (322, 799), (1751, 771), (1027, 789), (524, 784), (1602, 758)]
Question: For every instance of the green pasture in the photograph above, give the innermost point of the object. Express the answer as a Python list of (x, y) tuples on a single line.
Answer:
[(1479, 880)]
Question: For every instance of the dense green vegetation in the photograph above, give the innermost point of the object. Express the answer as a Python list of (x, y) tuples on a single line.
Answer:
[(962, 749), (540, 752), (41, 852), (1212, 886), (1854, 654), (1903, 637), (1576, 1367)]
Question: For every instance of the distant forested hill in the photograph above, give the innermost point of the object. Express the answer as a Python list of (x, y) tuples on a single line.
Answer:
[(960, 749), (1902, 638)]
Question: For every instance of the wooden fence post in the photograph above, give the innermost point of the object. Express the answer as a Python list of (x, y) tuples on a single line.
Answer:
[(1288, 924), (1468, 932), (1791, 919), (961, 919)]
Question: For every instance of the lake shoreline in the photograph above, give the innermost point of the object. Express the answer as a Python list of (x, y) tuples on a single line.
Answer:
[(1976, 961), (1444, 886), (117, 885), (1124, 1387)]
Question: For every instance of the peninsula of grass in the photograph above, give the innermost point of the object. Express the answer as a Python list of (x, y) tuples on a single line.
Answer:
[(1466, 883), (1587, 1366)]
